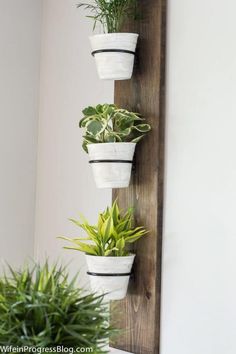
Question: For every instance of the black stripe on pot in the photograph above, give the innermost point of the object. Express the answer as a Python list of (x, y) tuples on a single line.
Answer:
[(110, 161), (112, 51), (108, 274)]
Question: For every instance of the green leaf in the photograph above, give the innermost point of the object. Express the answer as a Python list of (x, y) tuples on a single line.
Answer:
[(44, 308), (84, 121), (95, 127), (123, 225), (72, 239), (85, 146), (143, 128), (111, 251), (136, 140), (111, 15), (99, 108), (100, 223), (120, 245), (91, 231), (90, 139), (117, 137), (114, 230), (109, 138), (109, 108), (107, 123), (135, 237), (89, 111), (115, 212), (124, 132), (82, 247), (106, 229)]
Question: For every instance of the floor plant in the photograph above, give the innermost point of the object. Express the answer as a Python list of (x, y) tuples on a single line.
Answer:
[(41, 308)]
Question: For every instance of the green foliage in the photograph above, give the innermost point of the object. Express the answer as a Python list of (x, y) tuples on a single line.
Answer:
[(40, 307), (107, 123), (111, 14), (111, 235)]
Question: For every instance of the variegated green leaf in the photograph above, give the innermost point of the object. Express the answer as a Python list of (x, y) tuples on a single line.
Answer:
[(143, 128), (106, 229), (95, 127), (111, 234), (108, 123)]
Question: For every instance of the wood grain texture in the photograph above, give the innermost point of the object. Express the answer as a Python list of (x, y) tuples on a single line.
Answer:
[(139, 313)]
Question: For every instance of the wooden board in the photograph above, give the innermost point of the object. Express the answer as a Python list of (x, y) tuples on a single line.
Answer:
[(145, 93)]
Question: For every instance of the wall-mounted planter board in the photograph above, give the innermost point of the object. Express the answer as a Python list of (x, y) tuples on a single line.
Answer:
[(110, 275), (111, 164), (145, 93), (114, 55)]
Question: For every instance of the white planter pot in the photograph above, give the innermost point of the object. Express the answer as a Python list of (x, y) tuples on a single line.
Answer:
[(115, 284), (114, 54), (111, 163)]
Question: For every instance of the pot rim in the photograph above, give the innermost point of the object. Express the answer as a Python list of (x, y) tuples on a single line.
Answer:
[(131, 255), (112, 34), (117, 142)]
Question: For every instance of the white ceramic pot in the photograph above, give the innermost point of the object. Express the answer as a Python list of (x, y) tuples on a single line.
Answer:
[(114, 54), (111, 163), (115, 284)]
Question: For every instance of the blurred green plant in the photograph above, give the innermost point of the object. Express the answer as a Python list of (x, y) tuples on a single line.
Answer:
[(108, 124), (111, 235), (40, 307), (111, 14)]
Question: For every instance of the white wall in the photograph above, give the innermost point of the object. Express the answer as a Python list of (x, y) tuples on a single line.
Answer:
[(199, 262), (69, 83), (19, 81)]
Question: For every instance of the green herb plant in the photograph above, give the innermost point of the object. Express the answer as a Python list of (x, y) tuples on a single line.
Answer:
[(40, 307), (110, 237), (108, 124), (111, 14)]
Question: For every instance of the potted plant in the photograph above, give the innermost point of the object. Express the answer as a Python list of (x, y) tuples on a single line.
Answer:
[(111, 134), (113, 50), (41, 308), (106, 250)]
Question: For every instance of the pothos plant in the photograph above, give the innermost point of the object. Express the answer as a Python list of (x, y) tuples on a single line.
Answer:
[(108, 124), (111, 14), (111, 235)]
